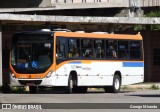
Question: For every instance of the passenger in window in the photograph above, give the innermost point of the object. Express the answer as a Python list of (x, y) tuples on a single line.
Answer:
[(99, 53), (125, 55), (75, 54), (60, 51), (90, 44), (113, 51), (88, 53)]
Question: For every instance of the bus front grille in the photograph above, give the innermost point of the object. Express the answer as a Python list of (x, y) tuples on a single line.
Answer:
[(30, 82)]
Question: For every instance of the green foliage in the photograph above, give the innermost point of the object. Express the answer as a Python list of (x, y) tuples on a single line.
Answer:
[(154, 87), (154, 13), (139, 27), (18, 89), (124, 88)]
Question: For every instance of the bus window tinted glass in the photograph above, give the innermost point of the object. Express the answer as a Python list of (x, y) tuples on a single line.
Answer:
[(99, 48), (123, 49), (34, 53), (60, 49), (73, 51), (135, 49), (111, 49), (87, 48)]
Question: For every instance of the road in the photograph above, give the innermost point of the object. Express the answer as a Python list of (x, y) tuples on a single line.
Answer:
[(139, 96)]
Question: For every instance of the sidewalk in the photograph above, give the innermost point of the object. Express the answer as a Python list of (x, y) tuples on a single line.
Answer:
[(145, 85)]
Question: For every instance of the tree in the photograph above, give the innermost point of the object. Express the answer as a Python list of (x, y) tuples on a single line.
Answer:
[(154, 13)]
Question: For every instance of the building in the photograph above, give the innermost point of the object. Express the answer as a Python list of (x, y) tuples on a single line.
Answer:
[(113, 16)]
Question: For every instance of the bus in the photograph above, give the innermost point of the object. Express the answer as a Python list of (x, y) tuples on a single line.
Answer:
[(76, 61)]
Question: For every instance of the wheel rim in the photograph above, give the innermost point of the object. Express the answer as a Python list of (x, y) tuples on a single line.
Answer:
[(117, 84), (71, 84)]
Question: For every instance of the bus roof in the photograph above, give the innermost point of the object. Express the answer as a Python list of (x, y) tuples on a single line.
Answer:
[(34, 32), (86, 35)]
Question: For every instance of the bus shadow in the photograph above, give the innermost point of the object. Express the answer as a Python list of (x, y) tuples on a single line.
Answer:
[(61, 91), (126, 91), (88, 92), (145, 95)]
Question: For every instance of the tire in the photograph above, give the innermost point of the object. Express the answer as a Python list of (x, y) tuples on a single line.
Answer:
[(115, 88), (32, 89), (69, 88)]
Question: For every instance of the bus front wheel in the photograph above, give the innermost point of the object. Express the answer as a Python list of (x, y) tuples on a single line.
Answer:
[(115, 88), (32, 89)]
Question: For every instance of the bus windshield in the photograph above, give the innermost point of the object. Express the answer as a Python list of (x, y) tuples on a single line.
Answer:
[(34, 53)]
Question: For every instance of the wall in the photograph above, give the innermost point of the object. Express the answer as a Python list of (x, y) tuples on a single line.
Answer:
[(155, 42)]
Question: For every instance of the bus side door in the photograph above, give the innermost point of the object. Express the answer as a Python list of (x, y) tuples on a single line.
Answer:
[(61, 57)]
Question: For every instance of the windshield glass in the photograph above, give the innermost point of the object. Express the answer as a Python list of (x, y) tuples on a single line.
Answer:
[(34, 53)]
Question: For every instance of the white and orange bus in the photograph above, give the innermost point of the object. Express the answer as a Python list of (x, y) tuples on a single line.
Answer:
[(76, 61)]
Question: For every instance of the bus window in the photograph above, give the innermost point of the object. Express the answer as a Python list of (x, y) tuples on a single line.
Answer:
[(73, 51), (87, 48), (122, 49), (111, 46), (99, 48), (60, 50), (135, 50)]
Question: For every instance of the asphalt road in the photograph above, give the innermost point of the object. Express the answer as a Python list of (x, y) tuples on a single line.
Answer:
[(139, 96)]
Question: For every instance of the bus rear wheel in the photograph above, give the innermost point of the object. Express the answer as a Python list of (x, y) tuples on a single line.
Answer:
[(115, 88), (32, 89)]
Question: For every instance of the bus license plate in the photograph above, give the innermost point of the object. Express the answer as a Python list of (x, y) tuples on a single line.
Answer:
[(29, 84)]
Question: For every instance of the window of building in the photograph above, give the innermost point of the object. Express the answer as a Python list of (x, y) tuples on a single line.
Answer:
[(156, 57)]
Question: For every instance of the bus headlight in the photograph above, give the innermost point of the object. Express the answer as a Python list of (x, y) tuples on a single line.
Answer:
[(12, 75), (49, 74)]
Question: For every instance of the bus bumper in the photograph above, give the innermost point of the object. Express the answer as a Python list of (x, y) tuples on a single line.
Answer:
[(51, 81), (32, 82)]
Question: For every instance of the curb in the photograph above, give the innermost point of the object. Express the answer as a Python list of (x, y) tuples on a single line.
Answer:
[(142, 86)]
